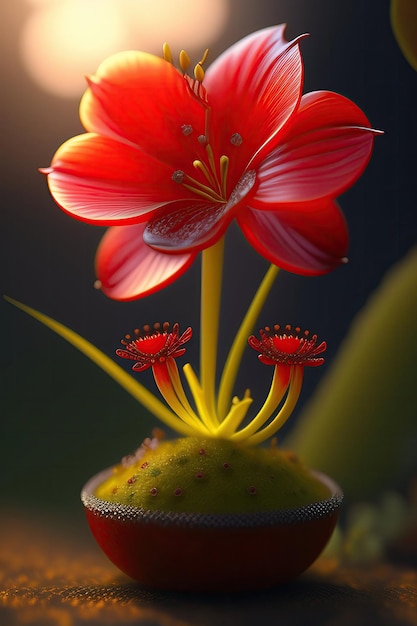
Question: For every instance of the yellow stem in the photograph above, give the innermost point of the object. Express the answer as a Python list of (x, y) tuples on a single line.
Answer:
[(275, 395), (211, 286), (285, 412), (179, 390), (240, 342), (118, 374), (167, 391), (207, 418), (234, 418)]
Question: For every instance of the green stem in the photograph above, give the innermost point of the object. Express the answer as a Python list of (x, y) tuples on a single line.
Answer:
[(239, 344), (211, 286)]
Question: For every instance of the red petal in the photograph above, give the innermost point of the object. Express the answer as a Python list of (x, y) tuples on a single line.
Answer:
[(142, 99), (309, 239), (326, 149), (128, 269), (253, 88), (98, 179), (188, 226)]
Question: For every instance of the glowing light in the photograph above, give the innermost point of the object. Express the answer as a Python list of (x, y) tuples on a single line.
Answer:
[(63, 40), (183, 23)]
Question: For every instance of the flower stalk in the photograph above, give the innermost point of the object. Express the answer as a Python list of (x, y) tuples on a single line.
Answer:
[(211, 287), (239, 344)]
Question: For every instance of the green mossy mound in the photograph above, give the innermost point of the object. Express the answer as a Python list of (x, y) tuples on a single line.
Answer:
[(204, 475)]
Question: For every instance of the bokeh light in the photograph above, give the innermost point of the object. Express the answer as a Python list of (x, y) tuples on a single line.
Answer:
[(62, 40)]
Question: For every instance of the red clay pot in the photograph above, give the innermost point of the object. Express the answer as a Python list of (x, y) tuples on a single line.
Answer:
[(216, 553)]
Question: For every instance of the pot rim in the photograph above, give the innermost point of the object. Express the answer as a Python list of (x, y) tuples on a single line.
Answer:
[(139, 515)]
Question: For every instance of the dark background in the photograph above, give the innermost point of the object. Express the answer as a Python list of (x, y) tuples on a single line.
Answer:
[(61, 418)]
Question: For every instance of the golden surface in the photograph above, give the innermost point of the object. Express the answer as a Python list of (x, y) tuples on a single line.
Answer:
[(52, 574)]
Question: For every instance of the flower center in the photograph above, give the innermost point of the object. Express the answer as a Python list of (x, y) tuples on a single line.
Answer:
[(214, 184), (216, 189)]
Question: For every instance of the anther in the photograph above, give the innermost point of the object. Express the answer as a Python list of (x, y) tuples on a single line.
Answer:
[(224, 167), (166, 50), (178, 176), (236, 139), (204, 57), (184, 61), (187, 129), (199, 73)]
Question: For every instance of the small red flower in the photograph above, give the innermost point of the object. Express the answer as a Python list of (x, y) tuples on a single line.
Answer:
[(168, 162), (151, 348), (287, 347)]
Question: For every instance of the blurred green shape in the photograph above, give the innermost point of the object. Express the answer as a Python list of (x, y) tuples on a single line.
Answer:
[(361, 425), (403, 14)]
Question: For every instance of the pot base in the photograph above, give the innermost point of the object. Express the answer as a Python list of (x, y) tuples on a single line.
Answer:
[(211, 553)]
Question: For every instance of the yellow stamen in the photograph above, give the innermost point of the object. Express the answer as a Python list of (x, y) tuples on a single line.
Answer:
[(208, 190), (184, 61), (209, 196), (204, 57), (224, 167), (167, 53), (240, 342), (199, 165), (199, 73), (212, 164)]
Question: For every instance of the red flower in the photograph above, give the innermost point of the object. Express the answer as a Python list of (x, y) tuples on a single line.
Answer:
[(285, 347), (168, 162), (152, 348)]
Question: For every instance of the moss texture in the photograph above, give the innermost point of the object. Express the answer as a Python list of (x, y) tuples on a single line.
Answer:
[(207, 475)]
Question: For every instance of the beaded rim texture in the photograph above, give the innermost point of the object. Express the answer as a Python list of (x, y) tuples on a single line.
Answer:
[(128, 513)]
